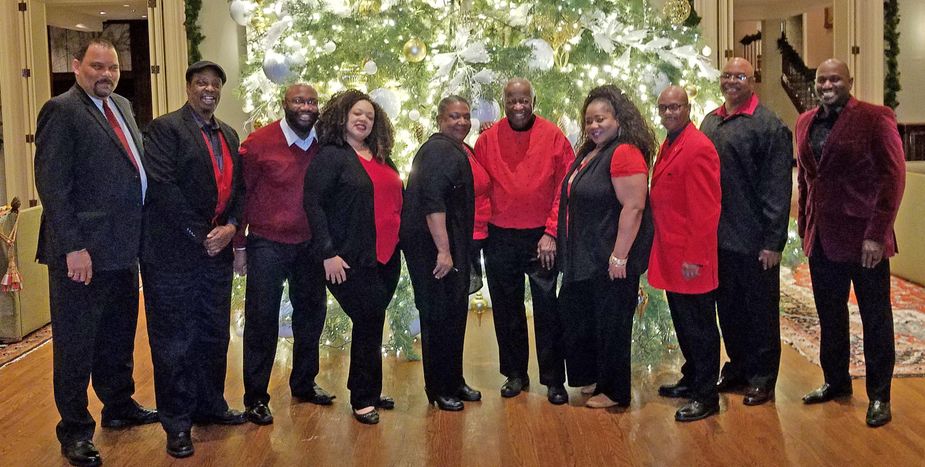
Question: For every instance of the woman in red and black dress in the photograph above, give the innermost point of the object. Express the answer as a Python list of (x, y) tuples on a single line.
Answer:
[(353, 200), (604, 237)]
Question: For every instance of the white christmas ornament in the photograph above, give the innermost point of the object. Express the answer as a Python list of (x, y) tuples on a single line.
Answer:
[(486, 110), (388, 100), (414, 115), (242, 11), (329, 47), (370, 67), (542, 57), (275, 67)]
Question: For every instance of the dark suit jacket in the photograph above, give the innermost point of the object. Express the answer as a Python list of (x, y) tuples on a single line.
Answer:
[(338, 201), (182, 191), (89, 188), (854, 191), (685, 196)]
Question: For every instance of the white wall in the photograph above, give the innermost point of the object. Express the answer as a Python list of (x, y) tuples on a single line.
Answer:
[(818, 43), (224, 44), (742, 29), (911, 62)]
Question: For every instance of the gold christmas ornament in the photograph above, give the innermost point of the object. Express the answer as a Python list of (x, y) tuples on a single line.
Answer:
[(677, 11), (368, 7), (414, 50), (691, 90)]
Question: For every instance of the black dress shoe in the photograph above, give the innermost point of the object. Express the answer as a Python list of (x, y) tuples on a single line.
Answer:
[(695, 410), (878, 413), (137, 416), (180, 444), (448, 403), (368, 418), (758, 395), (228, 417), (468, 394), (316, 396), (259, 414), (728, 383), (513, 386), (826, 393), (556, 394), (385, 402), (677, 390), (82, 453)]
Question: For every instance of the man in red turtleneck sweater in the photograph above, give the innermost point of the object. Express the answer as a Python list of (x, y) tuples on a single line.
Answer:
[(277, 249), (526, 157)]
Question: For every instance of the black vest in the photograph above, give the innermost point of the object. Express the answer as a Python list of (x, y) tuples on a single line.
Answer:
[(586, 240)]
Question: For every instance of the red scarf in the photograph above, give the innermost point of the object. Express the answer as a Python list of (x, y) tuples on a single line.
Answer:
[(222, 177)]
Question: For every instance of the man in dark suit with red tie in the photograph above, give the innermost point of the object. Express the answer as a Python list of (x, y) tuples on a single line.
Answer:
[(90, 179), (186, 263), (851, 174)]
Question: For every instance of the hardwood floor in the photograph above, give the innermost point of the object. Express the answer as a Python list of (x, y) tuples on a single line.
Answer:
[(526, 430)]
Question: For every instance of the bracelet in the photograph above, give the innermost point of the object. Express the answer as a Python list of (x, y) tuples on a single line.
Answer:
[(618, 262), (240, 249)]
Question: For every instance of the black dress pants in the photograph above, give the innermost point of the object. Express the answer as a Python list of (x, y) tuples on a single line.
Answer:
[(598, 317), (188, 309), (510, 254), (269, 265), (694, 319), (831, 285), (748, 305), (364, 297), (93, 330), (443, 307)]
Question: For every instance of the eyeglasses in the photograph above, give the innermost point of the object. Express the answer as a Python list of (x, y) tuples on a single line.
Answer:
[(670, 107), (735, 76), (298, 101)]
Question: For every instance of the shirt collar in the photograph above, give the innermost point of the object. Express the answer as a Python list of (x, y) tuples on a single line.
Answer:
[(210, 125), (293, 138), (746, 109)]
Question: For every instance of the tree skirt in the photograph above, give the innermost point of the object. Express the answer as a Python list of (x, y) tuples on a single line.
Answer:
[(800, 323), (11, 352)]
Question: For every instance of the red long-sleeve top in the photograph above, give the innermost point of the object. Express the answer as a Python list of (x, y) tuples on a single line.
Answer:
[(526, 169), (481, 185), (274, 174)]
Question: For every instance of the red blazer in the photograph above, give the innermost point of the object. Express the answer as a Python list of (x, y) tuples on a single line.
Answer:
[(686, 201), (854, 191)]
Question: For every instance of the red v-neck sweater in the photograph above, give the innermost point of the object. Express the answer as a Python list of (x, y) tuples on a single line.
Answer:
[(526, 170)]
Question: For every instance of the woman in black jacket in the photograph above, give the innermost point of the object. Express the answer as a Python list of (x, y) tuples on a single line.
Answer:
[(604, 235), (436, 232), (353, 198)]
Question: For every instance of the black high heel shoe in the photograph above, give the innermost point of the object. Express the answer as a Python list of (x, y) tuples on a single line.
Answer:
[(368, 418), (468, 394), (448, 403)]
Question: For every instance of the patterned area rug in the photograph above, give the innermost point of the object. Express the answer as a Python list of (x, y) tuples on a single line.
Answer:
[(800, 324), (10, 352)]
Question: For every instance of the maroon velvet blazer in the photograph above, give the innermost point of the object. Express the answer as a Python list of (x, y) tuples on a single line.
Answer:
[(853, 192)]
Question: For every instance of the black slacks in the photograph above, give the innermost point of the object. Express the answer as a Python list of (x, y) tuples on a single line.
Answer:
[(188, 309), (598, 317), (269, 265), (443, 307), (748, 305), (510, 254), (364, 297), (694, 319), (831, 284), (93, 330)]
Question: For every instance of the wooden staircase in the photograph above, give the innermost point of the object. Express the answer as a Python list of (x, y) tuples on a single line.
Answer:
[(797, 79)]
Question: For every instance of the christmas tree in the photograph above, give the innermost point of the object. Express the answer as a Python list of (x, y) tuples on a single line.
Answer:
[(408, 54)]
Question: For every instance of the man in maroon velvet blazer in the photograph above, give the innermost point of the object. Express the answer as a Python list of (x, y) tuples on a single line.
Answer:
[(851, 177)]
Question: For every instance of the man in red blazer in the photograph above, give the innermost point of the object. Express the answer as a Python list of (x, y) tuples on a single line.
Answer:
[(686, 204), (851, 177)]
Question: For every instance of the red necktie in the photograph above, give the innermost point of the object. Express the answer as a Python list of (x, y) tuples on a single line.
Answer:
[(111, 117)]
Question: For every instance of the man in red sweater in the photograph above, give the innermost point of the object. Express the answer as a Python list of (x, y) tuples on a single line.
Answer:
[(278, 249), (526, 157)]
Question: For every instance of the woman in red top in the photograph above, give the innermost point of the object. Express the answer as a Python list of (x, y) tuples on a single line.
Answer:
[(353, 200), (604, 236)]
